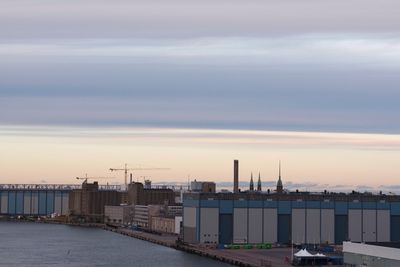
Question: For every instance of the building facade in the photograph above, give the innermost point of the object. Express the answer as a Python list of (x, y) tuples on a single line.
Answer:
[(139, 195), (202, 186), (88, 203), (163, 225), (169, 225), (143, 214), (122, 214), (254, 218), (34, 200)]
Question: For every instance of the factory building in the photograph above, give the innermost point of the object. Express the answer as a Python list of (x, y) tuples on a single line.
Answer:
[(88, 203), (282, 218), (122, 214), (140, 195), (144, 214), (34, 200), (166, 225), (201, 186)]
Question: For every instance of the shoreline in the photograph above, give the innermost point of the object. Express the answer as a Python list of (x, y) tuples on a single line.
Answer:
[(181, 247)]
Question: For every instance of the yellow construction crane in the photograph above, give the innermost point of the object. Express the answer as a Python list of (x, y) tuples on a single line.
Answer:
[(126, 169)]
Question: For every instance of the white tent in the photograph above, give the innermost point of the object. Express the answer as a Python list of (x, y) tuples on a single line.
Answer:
[(303, 253)]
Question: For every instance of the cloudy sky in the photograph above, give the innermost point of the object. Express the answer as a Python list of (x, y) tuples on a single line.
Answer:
[(88, 85)]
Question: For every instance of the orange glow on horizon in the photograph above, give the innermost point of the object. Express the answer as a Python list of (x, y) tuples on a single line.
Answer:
[(58, 155)]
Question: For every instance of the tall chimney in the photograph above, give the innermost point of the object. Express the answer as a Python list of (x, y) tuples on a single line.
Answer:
[(235, 176)]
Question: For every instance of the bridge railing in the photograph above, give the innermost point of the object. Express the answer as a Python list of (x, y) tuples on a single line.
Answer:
[(53, 187)]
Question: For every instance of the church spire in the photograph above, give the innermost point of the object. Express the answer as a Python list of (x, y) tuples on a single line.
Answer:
[(259, 182), (251, 183), (279, 170), (279, 185)]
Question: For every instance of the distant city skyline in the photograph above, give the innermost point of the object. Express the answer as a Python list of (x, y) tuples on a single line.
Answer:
[(309, 159), (88, 85)]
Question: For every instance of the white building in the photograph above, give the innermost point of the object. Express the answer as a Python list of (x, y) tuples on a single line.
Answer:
[(170, 225), (382, 255), (173, 211), (118, 214), (144, 213), (178, 224)]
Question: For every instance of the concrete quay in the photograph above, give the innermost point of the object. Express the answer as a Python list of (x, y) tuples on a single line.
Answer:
[(164, 240), (276, 257)]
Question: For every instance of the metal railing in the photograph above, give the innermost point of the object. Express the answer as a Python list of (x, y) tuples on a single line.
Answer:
[(65, 187)]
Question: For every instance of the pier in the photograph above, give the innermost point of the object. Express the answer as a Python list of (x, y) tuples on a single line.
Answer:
[(244, 257)]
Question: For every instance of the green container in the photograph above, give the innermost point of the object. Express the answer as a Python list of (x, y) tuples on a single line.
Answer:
[(248, 246)]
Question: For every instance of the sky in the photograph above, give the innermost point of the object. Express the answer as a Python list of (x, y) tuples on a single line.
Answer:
[(88, 85)]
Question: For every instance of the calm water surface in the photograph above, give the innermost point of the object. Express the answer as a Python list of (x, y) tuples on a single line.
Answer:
[(34, 244)]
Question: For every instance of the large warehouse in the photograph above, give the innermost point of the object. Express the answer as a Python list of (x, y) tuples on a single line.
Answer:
[(313, 218), (34, 200)]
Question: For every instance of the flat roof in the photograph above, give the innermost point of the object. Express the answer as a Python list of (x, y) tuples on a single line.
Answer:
[(293, 196), (385, 244), (372, 250)]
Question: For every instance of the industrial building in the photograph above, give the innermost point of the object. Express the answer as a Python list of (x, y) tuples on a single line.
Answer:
[(166, 225), (143, 214), (371, 255), (87, 203), (254, 217), (282, 218), (201, 186), (34, 199), (157, 218), (140, 195), (121, 215)]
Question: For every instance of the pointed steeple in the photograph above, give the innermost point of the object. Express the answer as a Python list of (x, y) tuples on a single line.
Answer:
[(259, 182), (279, 185), (251, 183), (279, 170)]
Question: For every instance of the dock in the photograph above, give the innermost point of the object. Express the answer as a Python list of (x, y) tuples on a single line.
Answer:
[(244, 258)]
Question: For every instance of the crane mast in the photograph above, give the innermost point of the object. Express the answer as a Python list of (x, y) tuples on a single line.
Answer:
[(92, 178)]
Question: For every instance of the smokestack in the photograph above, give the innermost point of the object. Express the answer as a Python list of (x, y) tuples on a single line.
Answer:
[(131, 178), (235, 176)]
